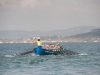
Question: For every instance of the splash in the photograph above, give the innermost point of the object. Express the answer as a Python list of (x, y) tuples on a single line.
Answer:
[(83, 54), (9, 55), (33, 54)]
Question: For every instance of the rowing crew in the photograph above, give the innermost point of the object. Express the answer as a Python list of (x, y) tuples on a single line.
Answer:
[(50, 46)]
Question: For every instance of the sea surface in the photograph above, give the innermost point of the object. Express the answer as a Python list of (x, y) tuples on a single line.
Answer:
[(87, 62)]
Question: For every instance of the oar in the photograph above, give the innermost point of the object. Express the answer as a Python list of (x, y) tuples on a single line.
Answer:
[(28, 52), (24, 53)]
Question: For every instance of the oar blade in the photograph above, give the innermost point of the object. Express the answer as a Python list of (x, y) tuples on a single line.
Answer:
[(24, 53)]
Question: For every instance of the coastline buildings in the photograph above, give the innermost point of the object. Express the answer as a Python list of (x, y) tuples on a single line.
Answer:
[(31, 40)]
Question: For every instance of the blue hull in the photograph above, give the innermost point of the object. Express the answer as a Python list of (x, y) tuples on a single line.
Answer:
[(40, 51)]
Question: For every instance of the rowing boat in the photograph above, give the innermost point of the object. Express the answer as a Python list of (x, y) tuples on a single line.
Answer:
[(61, 51)]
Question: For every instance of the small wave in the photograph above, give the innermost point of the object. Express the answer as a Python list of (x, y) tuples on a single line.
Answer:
[(34, 54), (9, 55), (83, 54)]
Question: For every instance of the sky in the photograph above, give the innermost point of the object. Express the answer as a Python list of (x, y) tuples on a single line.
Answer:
[(44, 15)]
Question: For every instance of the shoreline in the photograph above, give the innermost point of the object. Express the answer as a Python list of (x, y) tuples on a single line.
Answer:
[(53, 42)]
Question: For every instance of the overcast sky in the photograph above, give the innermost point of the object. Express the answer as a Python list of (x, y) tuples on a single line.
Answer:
[(48, 14)]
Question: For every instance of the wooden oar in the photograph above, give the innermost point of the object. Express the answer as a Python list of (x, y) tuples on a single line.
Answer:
[(28, 52)]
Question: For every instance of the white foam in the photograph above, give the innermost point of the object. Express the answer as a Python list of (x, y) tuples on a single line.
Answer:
[(9, 56), (83, 54), (33, 54)]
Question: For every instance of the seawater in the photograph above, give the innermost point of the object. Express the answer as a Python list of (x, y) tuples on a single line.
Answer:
[(87, 62)]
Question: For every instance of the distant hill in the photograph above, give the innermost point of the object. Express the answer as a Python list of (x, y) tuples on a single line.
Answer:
[(72, 31), (93, 34), (18, 34)]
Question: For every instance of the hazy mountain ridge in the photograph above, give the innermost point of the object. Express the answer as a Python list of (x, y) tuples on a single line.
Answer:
[(17, 34), (95, 33)]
